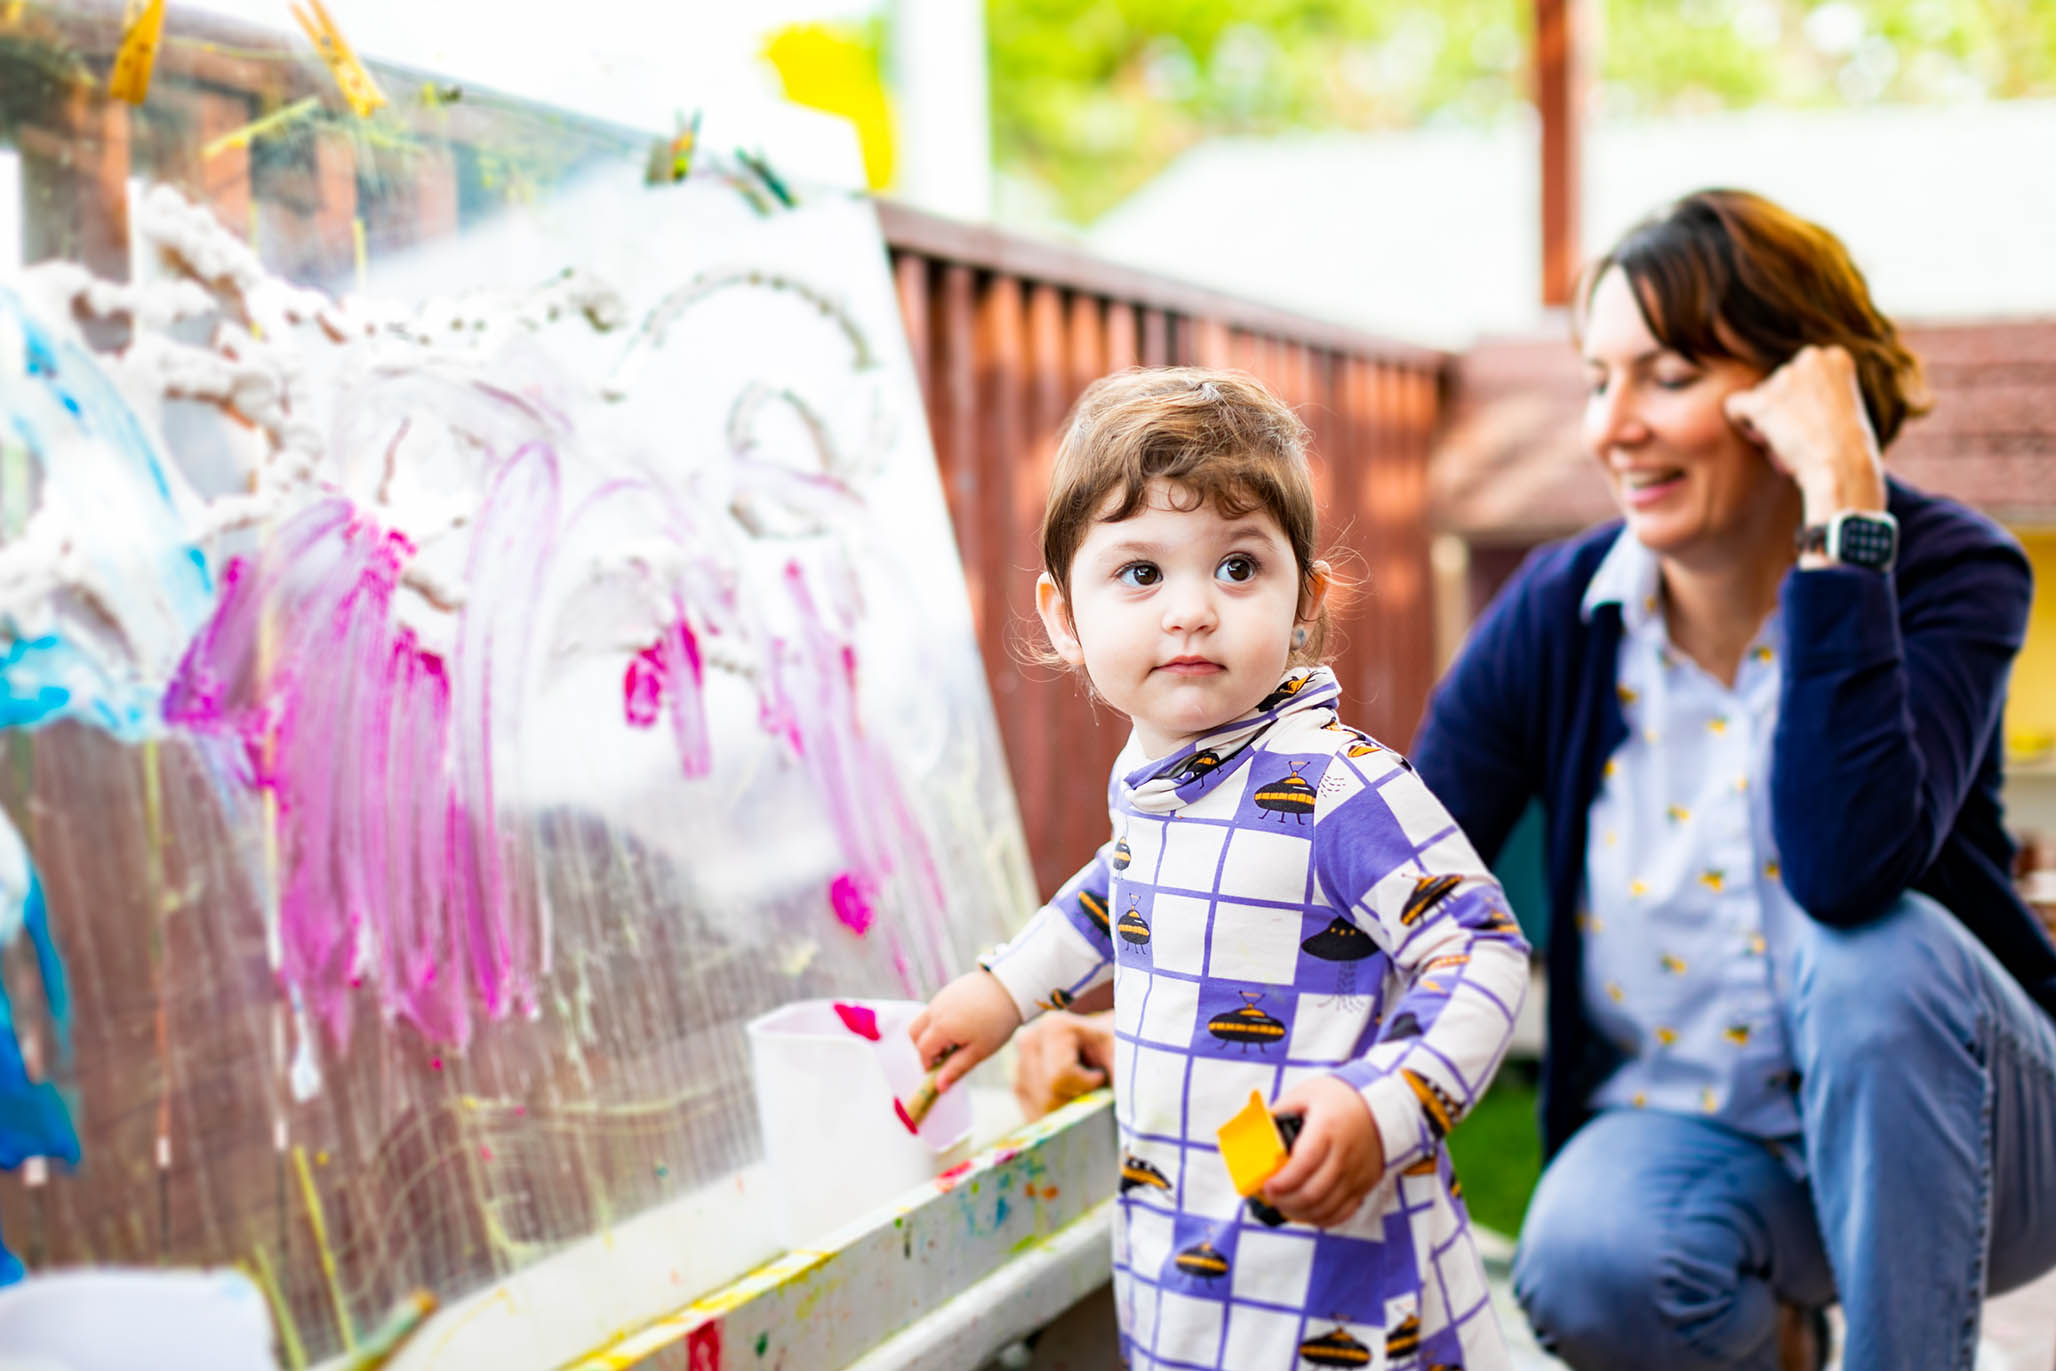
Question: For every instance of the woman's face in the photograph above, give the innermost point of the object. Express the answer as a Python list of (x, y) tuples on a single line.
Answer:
[(1686, 479)]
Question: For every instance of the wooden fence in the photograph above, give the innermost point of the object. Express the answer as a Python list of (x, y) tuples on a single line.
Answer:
[(1006, 332)]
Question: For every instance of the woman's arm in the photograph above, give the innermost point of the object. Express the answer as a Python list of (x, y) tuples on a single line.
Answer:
[(1471, 748), (1892, 683), (1891, 690)]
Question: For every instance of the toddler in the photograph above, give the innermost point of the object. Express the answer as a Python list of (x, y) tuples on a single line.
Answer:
[(1282, 907)]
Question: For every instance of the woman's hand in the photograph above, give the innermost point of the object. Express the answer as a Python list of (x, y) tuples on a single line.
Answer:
[(970, 1019), (1060, 1057), (1809, 418), (1337, 1160)]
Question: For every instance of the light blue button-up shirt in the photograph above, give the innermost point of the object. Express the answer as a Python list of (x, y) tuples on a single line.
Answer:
[(1687, 928)]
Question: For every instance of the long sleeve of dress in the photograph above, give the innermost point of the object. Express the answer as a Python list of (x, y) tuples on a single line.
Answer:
[(1066, 948), (1388, 854)]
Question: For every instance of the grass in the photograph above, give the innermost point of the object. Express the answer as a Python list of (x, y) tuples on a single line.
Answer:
[(1497, 1150)]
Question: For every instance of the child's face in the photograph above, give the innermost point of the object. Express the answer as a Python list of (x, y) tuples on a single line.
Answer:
[(1182, 619)]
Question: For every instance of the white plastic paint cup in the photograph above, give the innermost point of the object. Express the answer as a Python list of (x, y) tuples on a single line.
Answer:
[(833, 1143)]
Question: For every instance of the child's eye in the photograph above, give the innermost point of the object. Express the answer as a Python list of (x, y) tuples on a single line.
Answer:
[(1239, 567), (1139, 574)]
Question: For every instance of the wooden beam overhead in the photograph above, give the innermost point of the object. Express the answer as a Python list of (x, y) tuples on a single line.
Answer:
[(1559, 89)]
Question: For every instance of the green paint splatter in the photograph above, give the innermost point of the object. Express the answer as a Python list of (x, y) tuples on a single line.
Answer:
[(763, 1341)]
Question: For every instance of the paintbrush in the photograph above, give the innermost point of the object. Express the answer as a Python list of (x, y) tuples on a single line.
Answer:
[(923, 1099), (400, 1325)]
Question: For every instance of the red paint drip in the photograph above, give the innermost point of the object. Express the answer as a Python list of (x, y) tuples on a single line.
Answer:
[(947, 1181), (858, 1020), (703, 1348), (905, 1117)]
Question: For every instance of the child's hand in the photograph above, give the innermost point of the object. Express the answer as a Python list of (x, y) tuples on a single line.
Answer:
[(970, 1019), (1336, 1160)]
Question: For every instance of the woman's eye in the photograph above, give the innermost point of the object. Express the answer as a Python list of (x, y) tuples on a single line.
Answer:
[(1139, 574), (1677, 380), (1236, 568)]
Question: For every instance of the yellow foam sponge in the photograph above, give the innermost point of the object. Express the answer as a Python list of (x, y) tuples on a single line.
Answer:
[(1251, 1146)]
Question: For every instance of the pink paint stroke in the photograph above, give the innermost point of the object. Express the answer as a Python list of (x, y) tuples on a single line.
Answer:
[(395, 867), (811, 698), (669, 673)]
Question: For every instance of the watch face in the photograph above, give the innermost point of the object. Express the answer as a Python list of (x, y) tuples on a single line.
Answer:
[(1867, 542)]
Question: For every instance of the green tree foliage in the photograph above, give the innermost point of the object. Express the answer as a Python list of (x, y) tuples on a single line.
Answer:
[(1091, 98)]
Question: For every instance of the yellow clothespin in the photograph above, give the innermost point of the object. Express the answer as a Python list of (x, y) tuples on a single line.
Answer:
[(142, 26), (352, 79)]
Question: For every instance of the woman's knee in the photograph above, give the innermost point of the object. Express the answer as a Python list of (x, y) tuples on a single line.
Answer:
[(1645, 1245), (1590, 1277), (1859, 993)]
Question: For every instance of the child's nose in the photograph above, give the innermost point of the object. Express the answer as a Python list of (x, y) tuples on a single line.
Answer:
[(1188, 608)]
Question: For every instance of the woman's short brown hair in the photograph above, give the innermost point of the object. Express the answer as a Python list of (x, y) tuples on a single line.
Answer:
[(1727, 273), (1218, 437)]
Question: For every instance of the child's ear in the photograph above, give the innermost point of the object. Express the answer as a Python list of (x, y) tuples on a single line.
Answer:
[(1318, 579), (1056, 620)]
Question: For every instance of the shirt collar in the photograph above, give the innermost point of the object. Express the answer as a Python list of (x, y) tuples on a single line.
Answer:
[(1629, 577)]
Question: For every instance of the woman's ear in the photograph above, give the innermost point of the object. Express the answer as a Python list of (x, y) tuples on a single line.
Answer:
[(1056, 621)]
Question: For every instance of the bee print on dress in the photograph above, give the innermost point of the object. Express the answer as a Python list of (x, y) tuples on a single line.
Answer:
[(1405, 1339), (1405, 1026), (1342, 942), (1289, 794), (1428, 892), (1287, 688), (1335, 1348), (1134, 930), (1139, 1174), (1123, 855), (1442, 1111), (1184, 773), (1248, 1026), (1059, 998), (1095, 907), (1203, 1260)]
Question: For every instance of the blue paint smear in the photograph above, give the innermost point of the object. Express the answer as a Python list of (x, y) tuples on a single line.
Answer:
[(94, 453), (34, 1121)]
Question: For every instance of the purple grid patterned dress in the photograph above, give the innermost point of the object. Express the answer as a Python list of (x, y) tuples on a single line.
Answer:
[(1283, 899)]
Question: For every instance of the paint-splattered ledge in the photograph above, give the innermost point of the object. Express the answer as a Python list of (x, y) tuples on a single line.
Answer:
[(943, 1277)]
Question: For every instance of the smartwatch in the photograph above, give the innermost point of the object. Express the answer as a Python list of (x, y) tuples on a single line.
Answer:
[(1855, 538)]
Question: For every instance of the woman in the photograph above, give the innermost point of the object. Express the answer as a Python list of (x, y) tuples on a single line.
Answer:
[(1800, 1036), (1801, 1045)]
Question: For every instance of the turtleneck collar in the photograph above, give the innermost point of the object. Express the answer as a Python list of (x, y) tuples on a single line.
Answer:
[(1165, 784)]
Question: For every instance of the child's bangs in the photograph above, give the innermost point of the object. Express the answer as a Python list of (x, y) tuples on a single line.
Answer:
[(1231, 486)]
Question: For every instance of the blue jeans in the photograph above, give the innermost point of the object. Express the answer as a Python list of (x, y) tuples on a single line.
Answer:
[(1661, 1242)]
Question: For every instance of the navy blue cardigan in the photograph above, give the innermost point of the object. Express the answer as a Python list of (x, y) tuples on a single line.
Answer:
[(1885, 761)]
